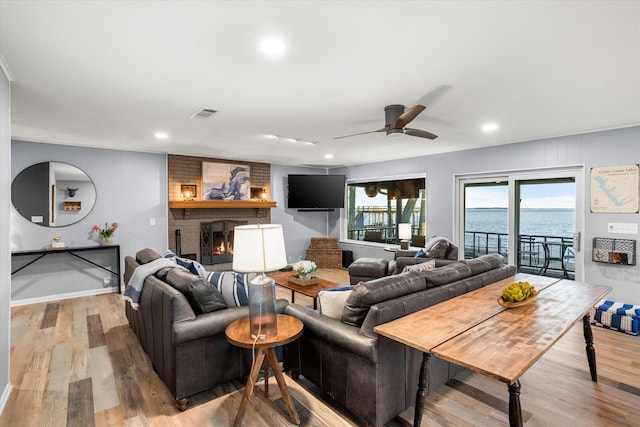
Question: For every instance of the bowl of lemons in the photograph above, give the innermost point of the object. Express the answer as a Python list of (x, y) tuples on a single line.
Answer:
[(517, 294)]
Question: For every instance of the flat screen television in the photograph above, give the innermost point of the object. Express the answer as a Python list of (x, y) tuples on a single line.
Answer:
[(316, 192)]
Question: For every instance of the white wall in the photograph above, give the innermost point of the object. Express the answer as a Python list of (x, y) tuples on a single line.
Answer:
[(606, 148), (5, 250), (131, 189)]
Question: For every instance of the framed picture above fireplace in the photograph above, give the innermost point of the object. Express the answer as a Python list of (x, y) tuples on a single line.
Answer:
[(225, 181)]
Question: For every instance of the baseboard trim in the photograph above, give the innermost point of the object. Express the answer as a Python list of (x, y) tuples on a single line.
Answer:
[(58, 297), (5, 396)]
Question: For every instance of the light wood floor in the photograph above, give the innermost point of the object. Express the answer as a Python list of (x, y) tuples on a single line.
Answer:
[(76, 362)]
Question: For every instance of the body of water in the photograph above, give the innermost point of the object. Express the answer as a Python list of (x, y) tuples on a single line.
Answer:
[(536, 222)]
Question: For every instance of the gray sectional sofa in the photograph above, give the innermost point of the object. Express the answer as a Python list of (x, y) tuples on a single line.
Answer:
[(372, 376), (187, 347)]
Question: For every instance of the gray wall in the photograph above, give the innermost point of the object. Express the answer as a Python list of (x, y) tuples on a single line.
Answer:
[(5, 250), (606, 148), (131, 189), (298, 227)]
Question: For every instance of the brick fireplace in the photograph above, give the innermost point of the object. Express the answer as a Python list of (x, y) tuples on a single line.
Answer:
[(187, 170), (216, 241)]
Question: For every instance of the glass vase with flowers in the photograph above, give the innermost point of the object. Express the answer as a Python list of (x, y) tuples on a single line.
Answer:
[(106, 232)]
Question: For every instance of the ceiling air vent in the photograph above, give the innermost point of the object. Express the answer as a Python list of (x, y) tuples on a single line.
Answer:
[(203, 114)]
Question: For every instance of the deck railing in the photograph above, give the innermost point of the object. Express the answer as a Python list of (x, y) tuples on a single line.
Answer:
[(547, 255)]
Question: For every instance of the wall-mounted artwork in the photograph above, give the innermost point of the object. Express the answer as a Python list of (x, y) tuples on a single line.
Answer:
[(225, 181), (614, 189)]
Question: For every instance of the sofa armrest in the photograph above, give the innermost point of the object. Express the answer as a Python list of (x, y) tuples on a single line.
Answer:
[(214, 323), (207, 325), (335, 332), (401, 253)]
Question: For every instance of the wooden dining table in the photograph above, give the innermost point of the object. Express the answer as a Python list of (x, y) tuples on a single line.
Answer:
[(502, 343)]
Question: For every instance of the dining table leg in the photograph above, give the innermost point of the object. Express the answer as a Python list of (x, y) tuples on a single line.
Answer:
[(423, 386), (591, 351), (515, 411)]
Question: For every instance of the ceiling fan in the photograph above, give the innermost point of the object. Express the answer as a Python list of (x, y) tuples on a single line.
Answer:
[(396, 118)]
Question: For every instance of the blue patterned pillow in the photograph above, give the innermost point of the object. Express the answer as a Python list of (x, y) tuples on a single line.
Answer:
[(194, 267), (234, 286), (420, 254)]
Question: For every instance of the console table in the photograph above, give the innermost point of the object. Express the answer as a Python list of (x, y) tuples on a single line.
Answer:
[(76, 252)]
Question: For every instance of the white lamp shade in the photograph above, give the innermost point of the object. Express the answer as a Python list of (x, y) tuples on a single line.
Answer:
[(258, 248), (404, 231)]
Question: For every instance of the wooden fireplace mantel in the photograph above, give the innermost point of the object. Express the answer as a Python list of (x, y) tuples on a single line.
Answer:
[(222, 204)]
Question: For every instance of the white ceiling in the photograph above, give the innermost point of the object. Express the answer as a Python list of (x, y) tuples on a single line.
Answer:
[(111, 74)]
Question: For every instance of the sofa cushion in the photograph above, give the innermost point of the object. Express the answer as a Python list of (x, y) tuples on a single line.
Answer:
[(234, 286), (423, 266), (366, 294), (484, 263), (447, 274), (146, 255), (332, 301)]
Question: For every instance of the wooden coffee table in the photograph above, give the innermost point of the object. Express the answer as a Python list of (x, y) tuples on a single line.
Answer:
[(495, 341), (282, 279), (289, 329)]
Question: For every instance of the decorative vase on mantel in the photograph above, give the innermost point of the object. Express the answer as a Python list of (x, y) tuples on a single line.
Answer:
[(107, 240)]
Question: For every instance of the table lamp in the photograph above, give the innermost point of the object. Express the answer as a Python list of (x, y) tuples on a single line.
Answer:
[(258, 249), (404, 234)]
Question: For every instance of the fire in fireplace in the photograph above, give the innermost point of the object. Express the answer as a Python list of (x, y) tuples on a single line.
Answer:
[(216, 241)]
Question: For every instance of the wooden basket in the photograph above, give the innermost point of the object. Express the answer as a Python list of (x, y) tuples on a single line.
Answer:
[(324, 243)]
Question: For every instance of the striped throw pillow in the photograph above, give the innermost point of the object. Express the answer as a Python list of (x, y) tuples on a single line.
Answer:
[(234, 286)]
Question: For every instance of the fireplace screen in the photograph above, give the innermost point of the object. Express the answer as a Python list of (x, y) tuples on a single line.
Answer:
[(216, 241)]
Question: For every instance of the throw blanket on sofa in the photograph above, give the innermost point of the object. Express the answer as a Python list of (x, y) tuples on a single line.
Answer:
[(136, 282)]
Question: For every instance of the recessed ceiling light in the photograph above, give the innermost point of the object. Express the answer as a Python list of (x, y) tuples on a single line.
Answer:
[(489, 127), (161, 135), (328, 156), (273, 46)]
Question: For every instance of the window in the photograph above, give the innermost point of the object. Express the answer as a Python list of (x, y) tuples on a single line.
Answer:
[(375, 208)]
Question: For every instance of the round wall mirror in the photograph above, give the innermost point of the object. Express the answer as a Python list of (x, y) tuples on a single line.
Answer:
[(53, 194)]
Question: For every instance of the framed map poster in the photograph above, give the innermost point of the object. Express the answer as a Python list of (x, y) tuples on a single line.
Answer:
[(614, 189)]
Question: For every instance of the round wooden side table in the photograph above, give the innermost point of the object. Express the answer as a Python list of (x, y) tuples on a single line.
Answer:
[(289, 329)]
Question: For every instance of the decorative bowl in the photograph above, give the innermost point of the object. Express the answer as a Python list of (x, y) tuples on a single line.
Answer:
[(519, 303), (304, 282)]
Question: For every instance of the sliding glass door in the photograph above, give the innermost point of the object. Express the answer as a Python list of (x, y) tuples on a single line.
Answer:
[(530, 217), (486, 218)]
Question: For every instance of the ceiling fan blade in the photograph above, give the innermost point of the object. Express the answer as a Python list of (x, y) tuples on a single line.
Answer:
[(420, 133), (364, 133), (406, 117)]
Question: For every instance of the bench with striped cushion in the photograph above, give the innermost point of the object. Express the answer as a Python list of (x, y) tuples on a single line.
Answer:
[(618, 316)]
